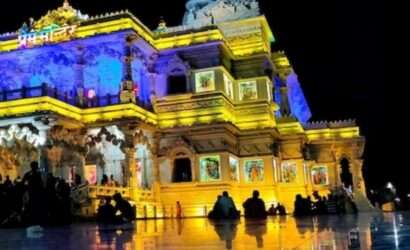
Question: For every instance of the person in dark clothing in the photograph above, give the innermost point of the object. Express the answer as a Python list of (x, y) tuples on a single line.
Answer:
[(64, 201), (299, 206), (281, 210), (125, 208), (7, 183), (224, 208), (216, 212), (272, 210), (35, 210), (104, 180), (106, 212), (255, 207)]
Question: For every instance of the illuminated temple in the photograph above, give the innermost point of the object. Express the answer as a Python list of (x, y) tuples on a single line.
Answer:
[(172, 114)]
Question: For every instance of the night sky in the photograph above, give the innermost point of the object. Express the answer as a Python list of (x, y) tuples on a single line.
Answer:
[(336, 48)]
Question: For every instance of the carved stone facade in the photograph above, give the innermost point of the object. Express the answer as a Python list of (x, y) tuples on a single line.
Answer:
[(180, 115)]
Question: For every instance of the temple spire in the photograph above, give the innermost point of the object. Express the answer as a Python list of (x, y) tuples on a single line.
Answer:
[(66, 4)]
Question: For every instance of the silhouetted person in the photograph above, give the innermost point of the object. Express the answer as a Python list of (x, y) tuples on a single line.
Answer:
[(300, 208), (280, 209), (254, 207), (106, 212), (64, 201), (35, 205), (320, 205), (7, 182), (224, 208), (104, 180), (271, 210), (77, 180), (125, 208), (216, 212)]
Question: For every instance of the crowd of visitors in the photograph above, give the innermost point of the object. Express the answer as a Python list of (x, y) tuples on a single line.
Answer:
[(254, 208), (337, 202), (34, 200)]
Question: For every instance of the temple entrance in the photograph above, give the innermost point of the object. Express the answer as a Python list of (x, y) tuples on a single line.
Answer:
[(182, 170), (346, 176)]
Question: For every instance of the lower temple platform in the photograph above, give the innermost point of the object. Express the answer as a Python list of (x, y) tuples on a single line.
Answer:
[(376, 231)]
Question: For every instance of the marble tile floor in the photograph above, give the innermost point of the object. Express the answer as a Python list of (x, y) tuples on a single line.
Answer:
[(375, 231)]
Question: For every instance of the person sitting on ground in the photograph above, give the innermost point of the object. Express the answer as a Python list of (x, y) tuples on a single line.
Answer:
[(216, 212), (281, 210), (228, 207), (272, 210), (124, 207), (224, 208), (254, 207), (106, 212)]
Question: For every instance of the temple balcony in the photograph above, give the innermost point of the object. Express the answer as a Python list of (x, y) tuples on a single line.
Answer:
[(43, 99)]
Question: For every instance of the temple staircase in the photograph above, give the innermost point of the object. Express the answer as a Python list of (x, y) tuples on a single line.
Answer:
[(87, 198), (363, 204)]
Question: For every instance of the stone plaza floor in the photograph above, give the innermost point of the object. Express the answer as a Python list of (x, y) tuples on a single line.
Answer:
[(375, 231)]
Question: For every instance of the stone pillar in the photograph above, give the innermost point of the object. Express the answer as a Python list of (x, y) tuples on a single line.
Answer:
[(131, 164), (41, 145), (127, 94), (284, 98), (156, 186), (79, 90)]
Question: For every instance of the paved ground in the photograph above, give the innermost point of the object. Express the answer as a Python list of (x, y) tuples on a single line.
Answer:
[(376, 231)]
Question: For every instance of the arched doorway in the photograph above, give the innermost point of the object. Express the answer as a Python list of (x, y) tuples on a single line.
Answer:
[(182, 170), (346, 176)]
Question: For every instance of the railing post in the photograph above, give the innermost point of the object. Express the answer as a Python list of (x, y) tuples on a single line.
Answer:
[(145, 212), (4, 94), (55, 94), (44, 89), (24, 92), (108, 99)]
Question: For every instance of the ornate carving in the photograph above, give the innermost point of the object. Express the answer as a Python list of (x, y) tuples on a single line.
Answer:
[(206, 12), (64, 15)]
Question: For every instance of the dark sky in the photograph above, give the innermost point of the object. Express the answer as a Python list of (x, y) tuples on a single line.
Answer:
[(336, 47)]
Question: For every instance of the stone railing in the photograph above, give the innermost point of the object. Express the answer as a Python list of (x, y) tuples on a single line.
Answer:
[(103, 191), (330, 124), (66, 96)]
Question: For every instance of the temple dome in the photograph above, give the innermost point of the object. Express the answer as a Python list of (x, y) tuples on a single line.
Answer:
[(207, 12)]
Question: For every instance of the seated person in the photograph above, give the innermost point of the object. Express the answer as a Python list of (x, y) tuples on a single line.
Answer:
[(224, 208), (255, 207), (106, 212), (272, 210), (216, 212), (281, 210), (124, 207)]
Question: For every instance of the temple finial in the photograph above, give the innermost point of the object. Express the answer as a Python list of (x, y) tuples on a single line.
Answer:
[(66, 4)]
